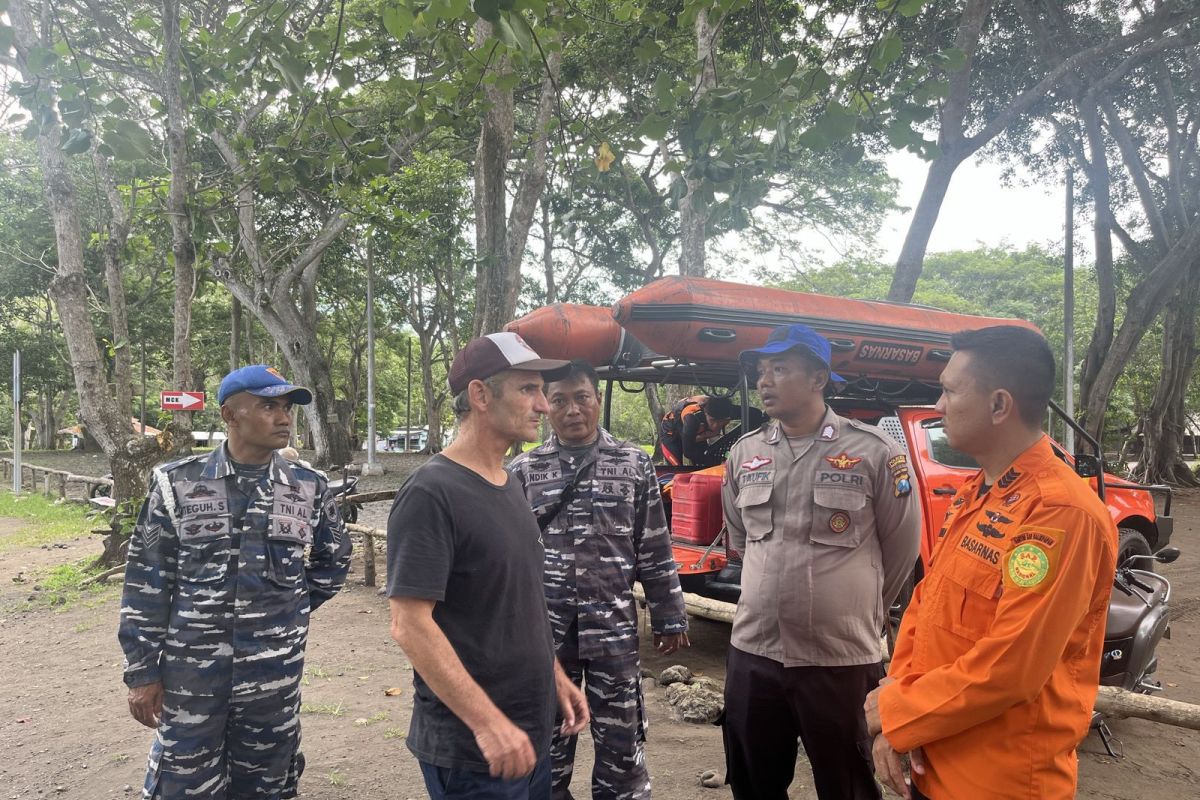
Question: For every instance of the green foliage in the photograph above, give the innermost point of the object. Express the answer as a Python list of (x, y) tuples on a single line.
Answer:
[(64, 586), (42, 522)]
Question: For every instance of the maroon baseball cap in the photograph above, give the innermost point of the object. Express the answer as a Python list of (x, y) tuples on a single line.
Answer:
[(496, 352)]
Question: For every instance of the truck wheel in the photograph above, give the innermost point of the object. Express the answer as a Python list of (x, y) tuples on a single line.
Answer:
[(1133, 543)]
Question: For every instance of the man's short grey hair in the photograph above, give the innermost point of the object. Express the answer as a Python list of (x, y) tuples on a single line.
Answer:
[(462, 401)]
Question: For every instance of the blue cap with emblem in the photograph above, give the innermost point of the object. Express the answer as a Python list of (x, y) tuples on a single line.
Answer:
[(261, 381), (785, 337)]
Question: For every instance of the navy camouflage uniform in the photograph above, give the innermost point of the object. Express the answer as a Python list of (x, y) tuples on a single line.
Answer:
[(612, 532), (216, 606)]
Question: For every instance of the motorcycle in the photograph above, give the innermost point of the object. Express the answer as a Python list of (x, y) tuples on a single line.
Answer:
[(1139, 617), (343, 489)]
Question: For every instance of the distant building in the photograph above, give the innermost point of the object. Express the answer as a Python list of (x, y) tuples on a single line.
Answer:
[(208, 438), (81, 441), (402, 440)]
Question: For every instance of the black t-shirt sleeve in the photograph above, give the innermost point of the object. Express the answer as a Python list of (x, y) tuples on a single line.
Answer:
[(420, 544)]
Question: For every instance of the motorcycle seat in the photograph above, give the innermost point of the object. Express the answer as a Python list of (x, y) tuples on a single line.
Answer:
[(1125, 613)]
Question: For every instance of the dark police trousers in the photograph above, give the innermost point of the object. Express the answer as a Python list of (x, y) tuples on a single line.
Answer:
[(769, 706)]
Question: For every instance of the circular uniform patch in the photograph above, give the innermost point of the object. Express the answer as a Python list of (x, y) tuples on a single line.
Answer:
[(839, 522), (1028, 565)]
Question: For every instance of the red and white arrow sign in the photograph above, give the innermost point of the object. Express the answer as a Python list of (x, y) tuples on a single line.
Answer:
[(181, 401)]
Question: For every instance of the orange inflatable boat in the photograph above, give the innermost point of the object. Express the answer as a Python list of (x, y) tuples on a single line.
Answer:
[(712, 321), (570, 331)]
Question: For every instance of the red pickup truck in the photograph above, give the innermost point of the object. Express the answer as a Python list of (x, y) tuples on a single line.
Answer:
[(689, 331)]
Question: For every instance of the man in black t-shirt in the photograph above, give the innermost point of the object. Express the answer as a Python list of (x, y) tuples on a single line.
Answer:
[(465, 588)]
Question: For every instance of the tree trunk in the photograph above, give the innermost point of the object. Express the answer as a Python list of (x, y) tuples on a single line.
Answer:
[(250, 355), (178, 212), (500, 238), (1120, 704), (44, 419), (916, 241), (952, 133), (655, 405), (269, 294), (433, 399), (108, 424), (1144, 303), (491, 211), (306, 367), (114, 249), (953, 150), (1166, 421), (1100, 181), (235, 335), (548, 254), (693, 215)]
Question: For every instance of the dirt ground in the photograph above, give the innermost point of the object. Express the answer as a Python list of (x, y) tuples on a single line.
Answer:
[(65, 730)]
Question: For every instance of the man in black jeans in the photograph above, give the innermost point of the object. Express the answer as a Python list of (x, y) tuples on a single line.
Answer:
[(465, 587)]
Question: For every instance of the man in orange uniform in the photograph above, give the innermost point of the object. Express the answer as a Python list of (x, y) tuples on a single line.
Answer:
[(691, 426), (998, 658)]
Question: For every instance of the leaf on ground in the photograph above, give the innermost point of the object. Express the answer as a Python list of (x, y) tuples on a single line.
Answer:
[(394, 691)]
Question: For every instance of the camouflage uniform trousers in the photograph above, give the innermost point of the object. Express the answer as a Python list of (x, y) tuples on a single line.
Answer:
[(613, 687), (226, 747)]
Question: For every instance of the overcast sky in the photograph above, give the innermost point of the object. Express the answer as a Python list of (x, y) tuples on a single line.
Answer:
[(979, 209)]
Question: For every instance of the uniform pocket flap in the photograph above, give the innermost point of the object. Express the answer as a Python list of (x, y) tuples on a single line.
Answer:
[(980, 581), (753, 496), (839, 498)]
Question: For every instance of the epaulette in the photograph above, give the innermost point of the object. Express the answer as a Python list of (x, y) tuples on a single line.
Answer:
[(179, 462), (875, 431), (748, 434)]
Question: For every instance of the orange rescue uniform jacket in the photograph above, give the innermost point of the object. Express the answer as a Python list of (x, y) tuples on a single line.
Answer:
[(998, 658)]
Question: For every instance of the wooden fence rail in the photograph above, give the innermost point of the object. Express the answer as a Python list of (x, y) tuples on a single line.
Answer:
[(59, 478)]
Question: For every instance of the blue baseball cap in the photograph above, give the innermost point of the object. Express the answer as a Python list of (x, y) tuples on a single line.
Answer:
[(785, 337), (261, 381)]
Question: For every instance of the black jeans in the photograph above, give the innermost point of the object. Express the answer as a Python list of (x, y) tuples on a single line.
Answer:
[(769, 706), (445, 783)]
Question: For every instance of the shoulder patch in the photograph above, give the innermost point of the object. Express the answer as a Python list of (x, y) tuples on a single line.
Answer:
[(1032, 562)]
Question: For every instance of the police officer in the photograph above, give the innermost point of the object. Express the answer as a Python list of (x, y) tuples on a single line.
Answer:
[(603, 525), (821, 509), (998, 657), (689, 429), (218, 591)]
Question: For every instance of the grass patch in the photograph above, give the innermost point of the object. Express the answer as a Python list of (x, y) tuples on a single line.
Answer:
[(381, 716), (395, 733), (314, 671), (61, 588), (328, 709), (45, 522), (336, 778)]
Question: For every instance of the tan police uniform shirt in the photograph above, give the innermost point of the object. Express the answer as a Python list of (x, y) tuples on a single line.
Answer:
[(829, 529)]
